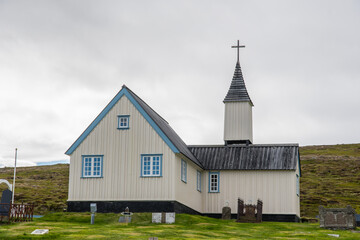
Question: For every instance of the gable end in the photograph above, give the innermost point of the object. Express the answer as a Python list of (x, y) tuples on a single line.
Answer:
[(103, 113)]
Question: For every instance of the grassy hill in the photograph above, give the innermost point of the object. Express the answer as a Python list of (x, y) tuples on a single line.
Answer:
[(45, 186), (330, 177)]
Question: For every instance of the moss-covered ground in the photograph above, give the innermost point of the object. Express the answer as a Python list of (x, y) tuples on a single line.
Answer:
[(330, 177), (77, 226)]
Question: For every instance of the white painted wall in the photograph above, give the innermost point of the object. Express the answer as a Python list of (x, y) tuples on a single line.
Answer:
[(122, 151), (277, 190), (238, 121), (187, 193)]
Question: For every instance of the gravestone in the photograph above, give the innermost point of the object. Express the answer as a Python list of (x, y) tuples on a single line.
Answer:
[(337, 218), (249, 212), (226, 213), (40, 231), (163, 217), (156, 217), (126, 218), (170, 217), (5, 200)]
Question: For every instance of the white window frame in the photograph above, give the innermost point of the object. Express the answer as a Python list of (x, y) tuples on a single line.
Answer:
[(126, 119), (183, 171), (198, 180), (154, 168), (217, 186), (92, 166)]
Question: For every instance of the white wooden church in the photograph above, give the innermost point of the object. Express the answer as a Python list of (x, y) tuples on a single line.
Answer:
[(129, 156)]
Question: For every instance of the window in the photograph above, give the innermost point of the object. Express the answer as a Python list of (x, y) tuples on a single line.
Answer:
[(92, 166), (123, 121), (183, 170), (198, 180), (151, 165), (214, 180), (297, 185)]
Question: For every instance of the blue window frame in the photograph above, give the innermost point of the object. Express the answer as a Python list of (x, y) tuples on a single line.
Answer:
[(151, 165), (92, 166), (123, 121), (198, 180), (214, 182), (183, 171), (297, 185)]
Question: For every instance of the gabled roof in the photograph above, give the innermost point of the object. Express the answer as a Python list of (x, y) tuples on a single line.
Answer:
[(248, 157), (237, 91), (159, 124), (166, 129)]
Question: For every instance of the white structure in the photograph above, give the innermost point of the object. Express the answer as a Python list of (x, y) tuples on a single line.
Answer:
[(238, 111), (7, 183), (129, 156)]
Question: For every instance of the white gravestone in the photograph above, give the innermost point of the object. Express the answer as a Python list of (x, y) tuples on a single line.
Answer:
[(40, 231), (170, 217), (163, 217), (156, 217)]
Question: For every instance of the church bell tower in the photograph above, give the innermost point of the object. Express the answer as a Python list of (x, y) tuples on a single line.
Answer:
[(238, 127)]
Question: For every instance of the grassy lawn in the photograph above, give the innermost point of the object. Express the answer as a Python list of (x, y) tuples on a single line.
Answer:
[(77, 226)]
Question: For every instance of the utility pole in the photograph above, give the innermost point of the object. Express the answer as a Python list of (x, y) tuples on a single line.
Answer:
[(13, 186)]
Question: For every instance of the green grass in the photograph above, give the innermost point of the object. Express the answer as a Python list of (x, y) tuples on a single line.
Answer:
[(330, 177), (77, 226), (340, 151)]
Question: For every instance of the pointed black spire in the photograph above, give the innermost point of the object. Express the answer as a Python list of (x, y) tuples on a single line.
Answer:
[(237, 91)]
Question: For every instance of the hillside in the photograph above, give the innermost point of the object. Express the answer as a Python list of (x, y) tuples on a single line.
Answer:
[(45, 186), (330, 177)]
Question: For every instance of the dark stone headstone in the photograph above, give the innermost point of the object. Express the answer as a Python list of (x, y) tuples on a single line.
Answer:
[(5, 200), (226, 213), (337, 218), (249, 212), (6, 196), (357, 217)]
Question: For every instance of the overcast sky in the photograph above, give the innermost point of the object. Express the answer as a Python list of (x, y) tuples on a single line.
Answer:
[(61, 62)]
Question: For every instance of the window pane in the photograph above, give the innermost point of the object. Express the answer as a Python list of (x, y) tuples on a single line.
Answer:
[(214, 187), (156, 166)]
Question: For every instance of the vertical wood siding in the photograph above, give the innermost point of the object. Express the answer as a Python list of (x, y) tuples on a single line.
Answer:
[(297, 199), (238, 121), (277, 190), (122, 151), (187, 193)]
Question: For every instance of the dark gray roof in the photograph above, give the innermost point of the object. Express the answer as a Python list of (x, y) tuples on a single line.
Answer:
[(165, 128), (237, 91), (247, 157)]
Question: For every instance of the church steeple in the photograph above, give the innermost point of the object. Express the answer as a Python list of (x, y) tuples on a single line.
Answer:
[(238, 109), (237, 91)]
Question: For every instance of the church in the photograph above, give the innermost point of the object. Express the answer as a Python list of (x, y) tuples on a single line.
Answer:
[(129, 156)]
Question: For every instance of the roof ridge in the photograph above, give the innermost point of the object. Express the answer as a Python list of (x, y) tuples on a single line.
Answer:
[(166, 129), (124, 86), (247, 145)]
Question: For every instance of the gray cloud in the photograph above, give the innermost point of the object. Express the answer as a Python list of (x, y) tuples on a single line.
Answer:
[(61, 62)]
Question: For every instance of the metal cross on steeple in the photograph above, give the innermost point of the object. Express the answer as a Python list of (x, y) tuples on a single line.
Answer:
[(238, 46)]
